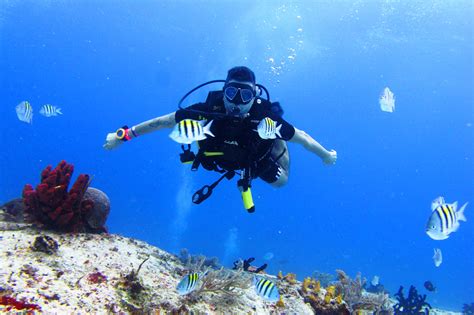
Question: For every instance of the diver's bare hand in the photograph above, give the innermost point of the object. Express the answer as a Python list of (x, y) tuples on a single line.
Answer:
[(111, 141), (330, 158)]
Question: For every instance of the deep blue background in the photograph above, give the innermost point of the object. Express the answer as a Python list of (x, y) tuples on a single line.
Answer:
[(110, 63)]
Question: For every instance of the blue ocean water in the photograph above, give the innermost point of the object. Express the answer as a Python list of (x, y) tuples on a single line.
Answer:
[(111, 63)]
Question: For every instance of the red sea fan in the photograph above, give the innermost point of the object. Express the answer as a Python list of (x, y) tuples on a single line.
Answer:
[(53, 206)]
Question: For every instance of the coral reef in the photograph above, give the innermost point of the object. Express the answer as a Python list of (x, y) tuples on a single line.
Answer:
[(131, 283), (323, 307), (324, 279), (468, 309), (352, 293), (96, 278), (379, 288), (13, 210), (225, 281), (289, 277), (51, 204), (310, 284), (12, 213), (322, 301), (351, 289), (191, 260), (280, 303), (45, 244), (126, 276), (412, 304), (221, 280), (97, 217), (14, 305)]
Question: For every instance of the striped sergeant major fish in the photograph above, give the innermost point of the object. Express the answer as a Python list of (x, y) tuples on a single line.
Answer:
[(444, 219), (266, 289), (49, 110), (188, 130), (188, 283), (267, 129), (24, 112)]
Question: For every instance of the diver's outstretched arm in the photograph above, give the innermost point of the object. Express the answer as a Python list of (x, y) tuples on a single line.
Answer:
[(166, 121), (301, 137)]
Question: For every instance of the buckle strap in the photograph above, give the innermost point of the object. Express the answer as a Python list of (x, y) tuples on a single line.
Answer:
[(206, 191)]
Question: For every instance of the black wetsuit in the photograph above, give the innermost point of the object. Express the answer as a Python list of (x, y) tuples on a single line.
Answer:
[(238, 139)]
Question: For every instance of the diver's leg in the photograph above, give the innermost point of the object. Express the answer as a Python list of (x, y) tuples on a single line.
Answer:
[(281, 154), (275, 168)]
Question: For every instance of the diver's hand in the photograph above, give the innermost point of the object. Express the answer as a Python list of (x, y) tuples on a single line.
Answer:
[(111, 141), (330, 158)]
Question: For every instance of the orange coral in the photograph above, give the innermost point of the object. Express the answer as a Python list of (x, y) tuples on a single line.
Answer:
[(316, 286), (330, 293), (280, 302), (280, 275), (306, 284), (311, 285), (313, 298), (291, 278), (331, 290), (327, 298)]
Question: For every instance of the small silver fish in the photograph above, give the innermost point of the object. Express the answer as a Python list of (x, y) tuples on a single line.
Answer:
[(24, 112), (437, 257), (387, 100), (267, 129), (266, 289), (188, 283), (444, 219), (49, 110), (188, 130), (375, 281)]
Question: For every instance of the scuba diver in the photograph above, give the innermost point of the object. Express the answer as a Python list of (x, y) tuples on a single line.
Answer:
[(237, 130)]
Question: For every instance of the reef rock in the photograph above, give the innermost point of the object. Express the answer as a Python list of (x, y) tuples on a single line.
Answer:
[(13, 211), (81, 273), (105, 273), (98, 215)]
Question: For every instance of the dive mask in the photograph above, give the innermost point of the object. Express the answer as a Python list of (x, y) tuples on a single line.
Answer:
[(239, 93)]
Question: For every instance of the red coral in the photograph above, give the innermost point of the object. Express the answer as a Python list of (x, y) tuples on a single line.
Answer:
[(96, 277), (13, 304), (53, 206)]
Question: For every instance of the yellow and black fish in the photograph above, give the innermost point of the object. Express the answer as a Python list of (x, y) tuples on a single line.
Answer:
[(188, 283), (266, 289), (188, 130), (444, 219), (268, 129)]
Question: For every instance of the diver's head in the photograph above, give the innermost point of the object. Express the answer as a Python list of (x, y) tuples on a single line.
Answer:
[(239, 91)]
